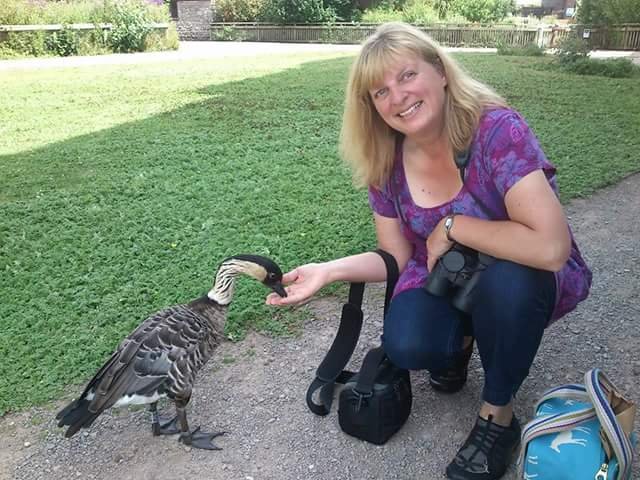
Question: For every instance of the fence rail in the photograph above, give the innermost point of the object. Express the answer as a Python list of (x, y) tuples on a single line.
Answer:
[(623, 37)]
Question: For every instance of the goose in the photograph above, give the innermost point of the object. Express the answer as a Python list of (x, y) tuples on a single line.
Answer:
[(162, 356)]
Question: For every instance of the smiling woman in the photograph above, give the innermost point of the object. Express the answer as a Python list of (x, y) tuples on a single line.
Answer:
[(447, 162)]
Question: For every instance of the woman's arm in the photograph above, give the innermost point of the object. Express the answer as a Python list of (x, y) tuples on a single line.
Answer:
[(306, 280), (536, 233)]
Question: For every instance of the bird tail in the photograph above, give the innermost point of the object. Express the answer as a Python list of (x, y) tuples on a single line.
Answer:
[(76, 415)]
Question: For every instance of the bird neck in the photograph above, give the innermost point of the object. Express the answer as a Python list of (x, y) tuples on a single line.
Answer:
[(224, 286)]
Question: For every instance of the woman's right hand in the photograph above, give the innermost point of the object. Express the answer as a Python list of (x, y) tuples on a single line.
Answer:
[(302, 283)]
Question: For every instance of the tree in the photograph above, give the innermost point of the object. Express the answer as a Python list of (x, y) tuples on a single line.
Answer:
[(609, 12)]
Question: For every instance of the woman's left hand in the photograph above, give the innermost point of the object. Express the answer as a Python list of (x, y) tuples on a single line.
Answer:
[(437, 244)]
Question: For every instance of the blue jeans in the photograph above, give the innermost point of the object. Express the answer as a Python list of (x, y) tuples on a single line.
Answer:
[(513, 304)]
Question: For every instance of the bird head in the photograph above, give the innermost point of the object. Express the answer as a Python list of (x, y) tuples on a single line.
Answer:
[(261, 268)]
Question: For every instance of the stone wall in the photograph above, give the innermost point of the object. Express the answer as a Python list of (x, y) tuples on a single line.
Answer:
[(194, 19)]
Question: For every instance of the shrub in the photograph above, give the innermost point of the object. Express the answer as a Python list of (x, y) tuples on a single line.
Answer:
[(419, 12), (239, 10), (130, 27), (613, 67), (157, 40), (298, 11), (381, 14), (531, 50), (25, 44), (484, 11), (63, 43), (228, 34), (571, 49)]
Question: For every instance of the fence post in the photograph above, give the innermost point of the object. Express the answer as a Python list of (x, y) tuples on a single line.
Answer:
[(540, 36)]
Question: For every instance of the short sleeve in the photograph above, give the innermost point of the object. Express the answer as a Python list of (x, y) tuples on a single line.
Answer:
[(513, 152), (381, 202)]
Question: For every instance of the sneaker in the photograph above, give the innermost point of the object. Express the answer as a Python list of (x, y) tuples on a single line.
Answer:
[(454, 378), (487, 452)]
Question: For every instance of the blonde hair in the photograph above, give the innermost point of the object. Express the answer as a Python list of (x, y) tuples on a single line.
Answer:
[(366, 141)]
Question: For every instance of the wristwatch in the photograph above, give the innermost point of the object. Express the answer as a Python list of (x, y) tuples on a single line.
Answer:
[(448, 225)]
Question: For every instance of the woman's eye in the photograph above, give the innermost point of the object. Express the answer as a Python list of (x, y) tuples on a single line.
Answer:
[(409, 74), (380, 93)]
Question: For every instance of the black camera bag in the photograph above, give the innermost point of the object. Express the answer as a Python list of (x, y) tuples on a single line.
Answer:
[(373, 409), (376, 401)]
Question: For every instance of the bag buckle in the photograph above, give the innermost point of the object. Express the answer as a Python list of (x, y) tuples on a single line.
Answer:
[(362, 396)]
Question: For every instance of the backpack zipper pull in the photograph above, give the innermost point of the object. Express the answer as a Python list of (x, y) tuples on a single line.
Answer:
[(602, 473)]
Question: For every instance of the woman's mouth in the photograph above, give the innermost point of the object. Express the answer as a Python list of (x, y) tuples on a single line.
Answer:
[(411, 110)]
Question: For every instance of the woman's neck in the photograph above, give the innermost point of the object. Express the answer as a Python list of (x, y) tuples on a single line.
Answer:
[(436, 149)]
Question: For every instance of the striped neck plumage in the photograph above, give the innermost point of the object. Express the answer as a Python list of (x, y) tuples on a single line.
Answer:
[(223, 288)]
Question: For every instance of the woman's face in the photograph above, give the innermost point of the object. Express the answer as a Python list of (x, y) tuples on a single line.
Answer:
[(410, 98)]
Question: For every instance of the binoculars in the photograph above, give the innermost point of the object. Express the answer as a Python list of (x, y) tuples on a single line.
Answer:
[(457, 273)]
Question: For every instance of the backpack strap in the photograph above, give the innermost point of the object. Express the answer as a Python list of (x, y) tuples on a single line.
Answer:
[(331, 368)]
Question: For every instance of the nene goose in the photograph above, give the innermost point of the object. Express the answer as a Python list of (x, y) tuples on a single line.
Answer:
[(162, 356)]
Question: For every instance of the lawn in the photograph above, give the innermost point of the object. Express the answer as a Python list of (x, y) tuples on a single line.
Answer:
[(122, 188)]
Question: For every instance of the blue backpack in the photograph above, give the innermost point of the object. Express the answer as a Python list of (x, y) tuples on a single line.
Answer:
[(579, 432)]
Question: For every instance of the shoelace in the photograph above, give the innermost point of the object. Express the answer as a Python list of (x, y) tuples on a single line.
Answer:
[(480, 443)]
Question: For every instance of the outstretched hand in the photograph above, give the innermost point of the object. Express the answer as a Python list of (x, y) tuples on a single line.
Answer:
[(301, 284)]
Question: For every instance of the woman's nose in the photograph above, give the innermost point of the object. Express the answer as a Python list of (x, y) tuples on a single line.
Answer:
[(397, 96)]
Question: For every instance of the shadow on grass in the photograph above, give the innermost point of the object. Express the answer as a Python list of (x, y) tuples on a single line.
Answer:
[(102, 229)]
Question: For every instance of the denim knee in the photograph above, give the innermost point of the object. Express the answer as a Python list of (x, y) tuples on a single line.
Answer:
[(421, 331)]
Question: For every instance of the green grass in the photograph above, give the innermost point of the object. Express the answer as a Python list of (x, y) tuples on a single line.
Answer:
[(123, 187)]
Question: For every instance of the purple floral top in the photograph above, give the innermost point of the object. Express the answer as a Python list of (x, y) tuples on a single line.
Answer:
[(503, 151)]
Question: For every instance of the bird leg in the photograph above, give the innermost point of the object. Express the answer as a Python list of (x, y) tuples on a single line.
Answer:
[(195, 438), (160, 426)]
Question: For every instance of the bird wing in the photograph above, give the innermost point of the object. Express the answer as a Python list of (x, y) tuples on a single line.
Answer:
[(141, 364)]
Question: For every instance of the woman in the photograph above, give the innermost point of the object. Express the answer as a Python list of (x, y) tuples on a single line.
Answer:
[(410, 111)]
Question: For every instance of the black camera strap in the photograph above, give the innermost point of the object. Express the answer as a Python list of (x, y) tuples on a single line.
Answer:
[(331, 369)]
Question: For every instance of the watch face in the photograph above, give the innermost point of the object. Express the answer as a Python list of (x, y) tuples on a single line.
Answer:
[(448, 222)]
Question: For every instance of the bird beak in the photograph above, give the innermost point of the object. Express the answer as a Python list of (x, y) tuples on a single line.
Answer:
[(279, 289)]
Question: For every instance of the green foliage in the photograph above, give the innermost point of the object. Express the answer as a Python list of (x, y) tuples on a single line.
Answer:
[(131, 19), (531, 50), (63, 43), (419, 12), (611, 67), (239, 10), (227, 34), (484, 11), (130, 27), (443, 7), (381, 14), (298, 11), (571, 49), (40, 12), (609, 12), (24, 44), (157, 41)]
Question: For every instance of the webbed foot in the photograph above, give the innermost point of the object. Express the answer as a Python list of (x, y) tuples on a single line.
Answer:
[(198, 439)]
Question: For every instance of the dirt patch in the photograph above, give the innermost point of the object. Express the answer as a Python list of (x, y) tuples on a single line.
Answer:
[(255, 389)]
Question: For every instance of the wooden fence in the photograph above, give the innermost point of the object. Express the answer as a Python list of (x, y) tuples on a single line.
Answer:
[(624, 37)]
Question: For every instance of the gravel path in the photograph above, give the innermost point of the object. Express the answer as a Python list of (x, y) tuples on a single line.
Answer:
[(255, 389)]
